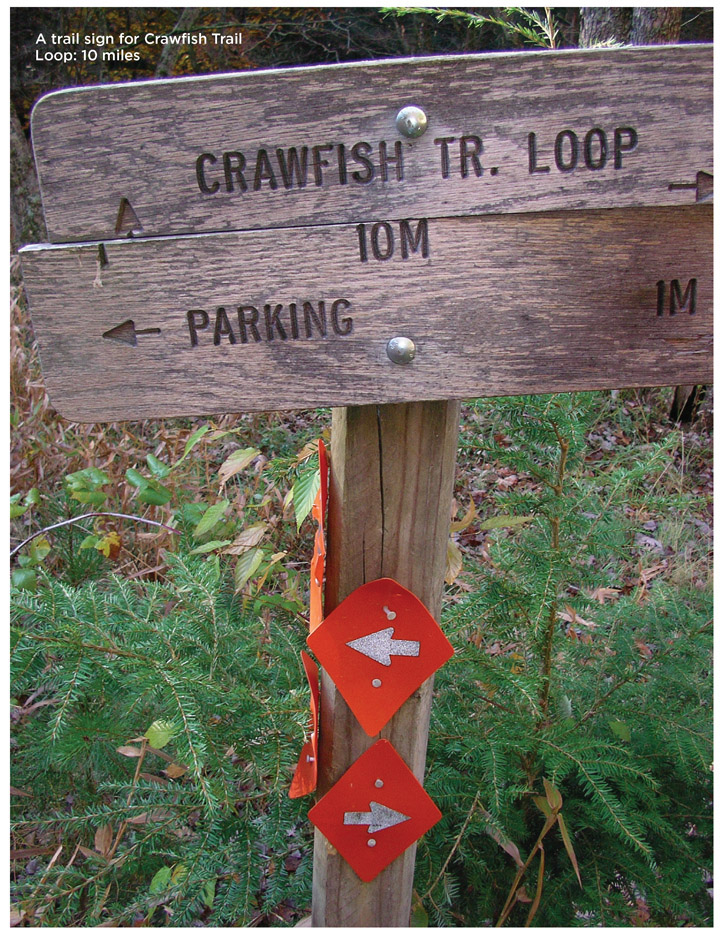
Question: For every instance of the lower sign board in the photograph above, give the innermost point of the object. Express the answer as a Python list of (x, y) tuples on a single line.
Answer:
[(375, 811), (391, 311)]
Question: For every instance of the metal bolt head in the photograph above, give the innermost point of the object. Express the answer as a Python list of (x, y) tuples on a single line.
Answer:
[(400, 350), (411, 121)]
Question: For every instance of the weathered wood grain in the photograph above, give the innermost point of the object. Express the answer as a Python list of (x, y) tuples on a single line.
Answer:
[(501, 305), (392, 472), (141, 141)]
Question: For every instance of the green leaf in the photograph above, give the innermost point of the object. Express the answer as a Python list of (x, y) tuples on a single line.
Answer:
[(135, 478), (553, 796), (207, 892), (94, 498), (211, 517), (418, 917), (16, 509), (304, 491), (85, 486), (31, 498), (87, 479), (159, 733), (26, 579), (193, 439), (192, 513), (90, 542), (156, 494), (210, 547), (277, 601), (495, 523), (237, 462), (621, 730), (38, 550), (160, 880), (247, 565), (157, 468), (542, 804), (150, 492)]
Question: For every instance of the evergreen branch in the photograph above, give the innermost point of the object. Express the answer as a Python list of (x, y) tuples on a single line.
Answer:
[(137, 773), (59, 717), (456, 844), (190, 738), (107, 870), (85, 645), (95, 513), (609, 802), (643, 667)]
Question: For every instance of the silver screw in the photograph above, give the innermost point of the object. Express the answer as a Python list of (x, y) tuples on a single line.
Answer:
[(411, 121), (400, 350)]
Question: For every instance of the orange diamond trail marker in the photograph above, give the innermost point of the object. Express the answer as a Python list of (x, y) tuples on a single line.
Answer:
[(378, 646), (375, 811)]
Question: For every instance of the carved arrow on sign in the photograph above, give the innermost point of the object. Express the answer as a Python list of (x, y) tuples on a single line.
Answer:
[(378, 818), (127, 333), (380, 645), (703, 187)]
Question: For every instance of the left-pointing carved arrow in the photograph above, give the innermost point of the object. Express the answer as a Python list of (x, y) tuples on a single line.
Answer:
[(127, 333), (377, 819)]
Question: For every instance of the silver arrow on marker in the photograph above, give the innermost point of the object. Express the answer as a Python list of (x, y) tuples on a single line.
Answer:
[(380, 645), (378, 818)]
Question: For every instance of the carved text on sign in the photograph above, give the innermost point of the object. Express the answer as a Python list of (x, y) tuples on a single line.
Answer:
[(380, 236), (593, 150), (680, 302), (293, 167), (269, 322), (337, 164)]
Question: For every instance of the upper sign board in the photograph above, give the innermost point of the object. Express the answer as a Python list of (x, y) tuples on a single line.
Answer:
[(506, 133)]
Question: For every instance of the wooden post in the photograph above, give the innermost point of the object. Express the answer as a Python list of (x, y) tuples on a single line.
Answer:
[(392, 473)]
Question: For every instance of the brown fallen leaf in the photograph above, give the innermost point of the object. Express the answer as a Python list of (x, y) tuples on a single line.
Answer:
[(103, 840), (131, 752), (569, 615)]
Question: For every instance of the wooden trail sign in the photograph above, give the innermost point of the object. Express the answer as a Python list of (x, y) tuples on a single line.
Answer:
[(506, 133), (301, 238), (300, 318)]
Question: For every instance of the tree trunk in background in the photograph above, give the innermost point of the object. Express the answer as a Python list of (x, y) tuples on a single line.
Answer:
[(601, 25), (26, 212), (654, 26), (171, 53), (641, 26)]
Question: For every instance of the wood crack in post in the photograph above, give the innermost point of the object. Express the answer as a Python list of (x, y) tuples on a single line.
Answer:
[(382, 486)]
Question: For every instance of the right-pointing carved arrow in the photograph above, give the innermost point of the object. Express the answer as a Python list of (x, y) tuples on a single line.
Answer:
[(377, 819), (703, 186), (380, 645), (127, 333)]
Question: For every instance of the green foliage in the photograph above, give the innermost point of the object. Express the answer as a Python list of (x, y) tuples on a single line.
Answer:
[(156, 724), (528, 25), (577, 664), (172, 720)]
